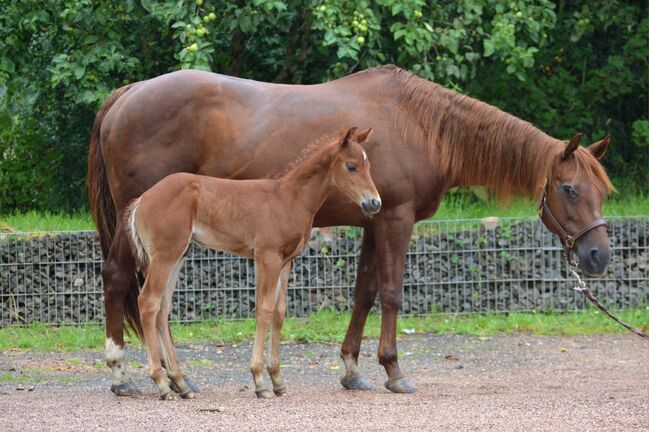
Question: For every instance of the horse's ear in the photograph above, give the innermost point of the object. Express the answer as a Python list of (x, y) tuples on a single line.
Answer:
[(598, 148), (364, 135), (572, 146), (348, 135)]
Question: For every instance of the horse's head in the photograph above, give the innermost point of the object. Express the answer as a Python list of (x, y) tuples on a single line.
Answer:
[(571, 203), (351, 171)]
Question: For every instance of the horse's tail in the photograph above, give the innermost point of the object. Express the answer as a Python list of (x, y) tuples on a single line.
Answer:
[(102, 206), (137, 248)]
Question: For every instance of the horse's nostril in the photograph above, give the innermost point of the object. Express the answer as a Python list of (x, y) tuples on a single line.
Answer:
[(376, 204), (597, 255)]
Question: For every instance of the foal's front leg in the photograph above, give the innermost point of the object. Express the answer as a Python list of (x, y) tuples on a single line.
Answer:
[(268, 267), (276, 330)]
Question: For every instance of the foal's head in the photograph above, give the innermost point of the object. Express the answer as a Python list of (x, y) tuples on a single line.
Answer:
[(350, 171), (571, 204)]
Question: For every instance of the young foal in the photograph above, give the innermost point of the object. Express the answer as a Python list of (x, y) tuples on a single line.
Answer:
[(269, 220)]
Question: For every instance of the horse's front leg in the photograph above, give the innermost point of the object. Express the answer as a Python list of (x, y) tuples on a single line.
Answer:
[(268, 267), (118, 274), (279, 388), (392, 235), (364, 296)]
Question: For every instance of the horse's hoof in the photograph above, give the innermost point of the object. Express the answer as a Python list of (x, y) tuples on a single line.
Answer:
[(126, 389), (192, 385), (400, 385), (264, 394), (356, 383), (168, 396), (280, 391), (188, 395)]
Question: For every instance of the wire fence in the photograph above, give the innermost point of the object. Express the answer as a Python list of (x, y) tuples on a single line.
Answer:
[(452, 266)]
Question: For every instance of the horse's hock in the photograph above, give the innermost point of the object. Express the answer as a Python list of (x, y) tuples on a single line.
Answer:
[(452, 266)]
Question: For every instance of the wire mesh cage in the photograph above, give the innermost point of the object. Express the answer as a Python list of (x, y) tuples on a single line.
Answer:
[(476, 265)]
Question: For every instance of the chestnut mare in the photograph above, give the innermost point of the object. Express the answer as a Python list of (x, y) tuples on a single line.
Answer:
[(269, 220), (426, 140)]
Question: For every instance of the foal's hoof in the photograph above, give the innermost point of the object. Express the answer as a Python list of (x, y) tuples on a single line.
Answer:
[(280, 391), (188, 395), (126, 389), (356, 383), (168, 396), (399, 385), (192, 385), (264, 394)]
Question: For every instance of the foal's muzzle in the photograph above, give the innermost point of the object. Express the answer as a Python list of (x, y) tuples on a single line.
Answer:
[(371, 206)]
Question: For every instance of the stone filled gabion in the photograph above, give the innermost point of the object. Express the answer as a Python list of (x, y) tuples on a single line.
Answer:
[(463, 266)]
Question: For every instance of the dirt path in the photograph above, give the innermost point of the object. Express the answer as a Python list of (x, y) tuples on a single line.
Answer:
[(464, 383)]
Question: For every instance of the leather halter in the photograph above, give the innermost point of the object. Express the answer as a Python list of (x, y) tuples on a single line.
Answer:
[(568, 240)]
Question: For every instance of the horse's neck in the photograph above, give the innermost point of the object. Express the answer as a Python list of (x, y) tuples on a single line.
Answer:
[(308, 184), (481, 145)]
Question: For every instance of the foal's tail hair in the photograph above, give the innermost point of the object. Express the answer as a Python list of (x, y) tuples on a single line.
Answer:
[(141, 257)]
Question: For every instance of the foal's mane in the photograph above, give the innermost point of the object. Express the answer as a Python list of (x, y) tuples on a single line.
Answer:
[(478, 144), (310, 151)]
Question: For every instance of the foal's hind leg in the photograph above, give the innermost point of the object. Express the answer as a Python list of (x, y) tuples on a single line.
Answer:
[(279, 388), (268, 267), (167, 349), (149, 302)]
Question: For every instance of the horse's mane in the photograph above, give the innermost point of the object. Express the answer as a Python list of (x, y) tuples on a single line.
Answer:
[(308, 152), (478, 144)]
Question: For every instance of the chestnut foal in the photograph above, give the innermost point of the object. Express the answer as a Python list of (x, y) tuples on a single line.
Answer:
[(269, 220)]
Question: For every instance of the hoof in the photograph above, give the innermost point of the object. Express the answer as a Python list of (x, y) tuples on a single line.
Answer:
[(192, 385), (168, 396), (188, 395), (264, 394), (356, 383), (399, 385), (280, 391), (126, 389)]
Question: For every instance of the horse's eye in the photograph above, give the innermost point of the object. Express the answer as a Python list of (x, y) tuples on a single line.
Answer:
[(570, 190), (351, 167)]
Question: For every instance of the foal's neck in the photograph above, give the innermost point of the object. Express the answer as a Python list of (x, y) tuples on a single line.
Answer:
[(309, 182)]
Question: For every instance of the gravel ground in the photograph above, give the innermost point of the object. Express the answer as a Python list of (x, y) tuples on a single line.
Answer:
[(464, 383)]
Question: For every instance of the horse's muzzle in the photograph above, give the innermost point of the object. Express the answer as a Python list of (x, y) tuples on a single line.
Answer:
[(370, 206), (594, 261)]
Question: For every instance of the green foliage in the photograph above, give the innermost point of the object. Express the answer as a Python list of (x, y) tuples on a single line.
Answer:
[(568, 67)]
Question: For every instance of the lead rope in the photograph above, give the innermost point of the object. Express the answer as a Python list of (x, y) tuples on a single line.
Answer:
[(582, 288)]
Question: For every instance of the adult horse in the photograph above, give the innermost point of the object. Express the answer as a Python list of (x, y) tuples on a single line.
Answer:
[(426, 140)]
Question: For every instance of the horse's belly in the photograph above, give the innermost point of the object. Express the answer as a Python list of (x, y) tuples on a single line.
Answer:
[(218, 240)]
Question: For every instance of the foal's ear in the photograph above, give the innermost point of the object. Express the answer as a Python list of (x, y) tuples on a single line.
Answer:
[(598, 148), (364, 135), (350, 133), (572, 145)]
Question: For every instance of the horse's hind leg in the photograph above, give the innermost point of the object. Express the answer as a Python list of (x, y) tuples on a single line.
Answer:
[(118, 275), (167, 349), (268, 268), (279, 388), (150, 301)]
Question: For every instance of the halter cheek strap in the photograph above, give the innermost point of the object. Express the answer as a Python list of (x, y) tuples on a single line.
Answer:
[(567, 239)]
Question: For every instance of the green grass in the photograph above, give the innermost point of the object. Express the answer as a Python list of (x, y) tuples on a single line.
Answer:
[(44, 221), (329, 327), (455, 206), (466, 206)]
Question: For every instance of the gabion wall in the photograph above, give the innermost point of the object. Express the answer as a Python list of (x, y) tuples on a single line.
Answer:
[(452, 266)]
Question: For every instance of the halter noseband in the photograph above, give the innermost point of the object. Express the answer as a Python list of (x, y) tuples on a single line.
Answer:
[(567, 239)]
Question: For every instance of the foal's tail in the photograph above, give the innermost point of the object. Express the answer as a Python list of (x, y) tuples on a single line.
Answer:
[(137, 248)]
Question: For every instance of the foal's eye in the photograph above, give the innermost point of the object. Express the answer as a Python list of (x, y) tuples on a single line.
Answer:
[(351, 167), (570, 190)]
